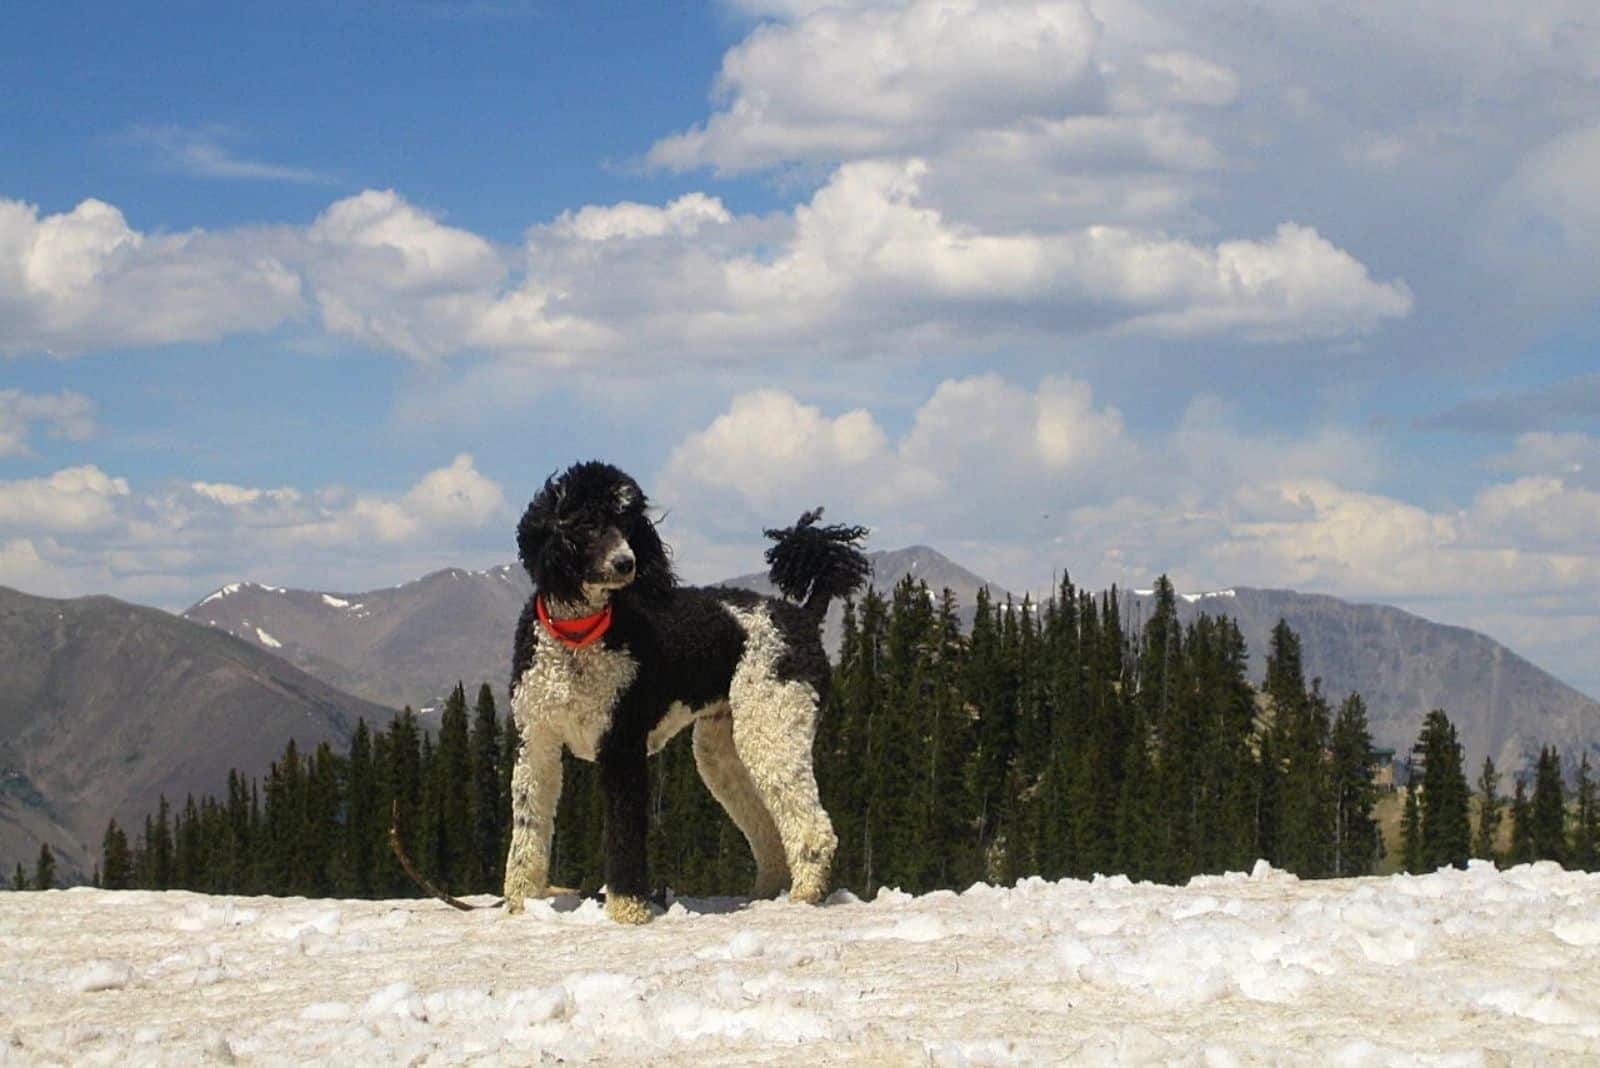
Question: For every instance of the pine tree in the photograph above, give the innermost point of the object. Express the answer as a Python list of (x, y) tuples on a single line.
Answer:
[(1586, 825), (1354, 792), (1446, 802), (1411, 847), (19, 879), (948, 743), (1547, 818), (1300, 734), (488, 859), (402, 778), (319, 827), (161, 847), (431, 851), (360, 811), (1488, 830), (453, 788), (897, 740), (186, 861), (44, 870), (116, 863), (1522, 851), (510, 746)]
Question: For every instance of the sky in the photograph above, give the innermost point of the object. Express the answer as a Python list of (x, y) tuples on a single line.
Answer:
[(1288, 295)]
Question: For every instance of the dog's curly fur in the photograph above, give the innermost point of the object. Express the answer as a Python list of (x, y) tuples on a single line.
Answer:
[(747, 671)]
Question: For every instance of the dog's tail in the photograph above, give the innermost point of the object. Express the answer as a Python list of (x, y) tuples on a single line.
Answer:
[(813, 564)]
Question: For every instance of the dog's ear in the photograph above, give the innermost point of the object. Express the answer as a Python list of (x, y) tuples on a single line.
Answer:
[(654, 579), (538, 525)]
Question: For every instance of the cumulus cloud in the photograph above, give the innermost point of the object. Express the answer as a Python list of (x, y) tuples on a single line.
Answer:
[(628, 219), (81, 530), (1573, 457), (977, 446), (74, 498), (1032, 480), (85, 279), (850, 83), (66, 415)]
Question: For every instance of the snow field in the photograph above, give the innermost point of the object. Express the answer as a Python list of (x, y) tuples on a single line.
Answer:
[(1473, 967)]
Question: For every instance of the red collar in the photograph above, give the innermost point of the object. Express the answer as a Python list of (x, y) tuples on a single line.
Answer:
[(574, 633)]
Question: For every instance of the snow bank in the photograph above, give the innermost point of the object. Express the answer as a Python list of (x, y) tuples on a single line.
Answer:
[(1456, 968)]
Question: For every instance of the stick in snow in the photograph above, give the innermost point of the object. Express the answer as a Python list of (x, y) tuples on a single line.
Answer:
[(416, 876)]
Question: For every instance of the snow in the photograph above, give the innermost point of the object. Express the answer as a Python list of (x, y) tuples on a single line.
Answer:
[(334, 602), (1193, 597), (226, 591), (268, 640), (1468, 967)]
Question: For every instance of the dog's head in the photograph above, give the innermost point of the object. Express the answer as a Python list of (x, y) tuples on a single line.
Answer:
[(586, 535)]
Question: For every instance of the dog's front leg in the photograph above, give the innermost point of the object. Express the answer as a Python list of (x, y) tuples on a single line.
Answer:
[(625, 781), (535, 790)]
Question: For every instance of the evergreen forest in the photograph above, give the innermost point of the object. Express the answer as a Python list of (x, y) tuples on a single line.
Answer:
[(1049, 739)]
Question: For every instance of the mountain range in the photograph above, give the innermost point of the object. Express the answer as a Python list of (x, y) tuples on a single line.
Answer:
[(411, 643), (106, 705), (1403, 666)]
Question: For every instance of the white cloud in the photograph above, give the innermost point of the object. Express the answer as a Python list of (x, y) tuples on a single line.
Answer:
[(1035, 480), (208, 152), (72, 499), (846, 84), (977, 447), (1544, 221), (67, 415), (84, 279), (455, 496), (866, 238), (1572, 457), (82, 531), (630, 220)]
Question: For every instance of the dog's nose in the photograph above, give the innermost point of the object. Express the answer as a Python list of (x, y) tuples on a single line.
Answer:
[(622, 565)]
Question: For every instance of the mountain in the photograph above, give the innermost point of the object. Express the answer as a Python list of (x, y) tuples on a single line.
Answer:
[(104, 706), (408, 644), (411, 643), (1404, 665), (889, 568)]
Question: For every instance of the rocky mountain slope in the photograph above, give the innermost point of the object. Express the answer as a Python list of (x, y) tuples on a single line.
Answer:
[(1404, 665), (104, 706), (408, 644), (411, 643)]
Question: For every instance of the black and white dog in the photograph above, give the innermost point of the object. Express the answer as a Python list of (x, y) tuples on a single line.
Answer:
[(613, 658)]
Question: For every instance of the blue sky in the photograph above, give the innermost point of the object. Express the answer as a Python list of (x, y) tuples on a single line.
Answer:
[(318, 293)]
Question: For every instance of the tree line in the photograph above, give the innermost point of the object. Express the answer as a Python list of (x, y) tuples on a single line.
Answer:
[(1437, 830), (1048, 738)]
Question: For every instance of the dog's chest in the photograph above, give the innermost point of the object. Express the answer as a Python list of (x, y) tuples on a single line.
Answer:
[(573, 693)]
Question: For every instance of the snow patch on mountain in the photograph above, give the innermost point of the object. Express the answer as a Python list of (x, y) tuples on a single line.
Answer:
[(268, 640), (226, 591), (1458, 967)]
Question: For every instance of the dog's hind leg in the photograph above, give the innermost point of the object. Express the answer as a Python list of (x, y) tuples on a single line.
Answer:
[(725, 776), (535, 790), (774, 722)]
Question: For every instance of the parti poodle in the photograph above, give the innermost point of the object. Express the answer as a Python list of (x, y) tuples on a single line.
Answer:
[(613, 658)]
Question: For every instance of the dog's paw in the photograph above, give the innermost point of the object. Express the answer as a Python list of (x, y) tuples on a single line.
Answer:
[(625, 909), (769, 884), (518, 890)]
